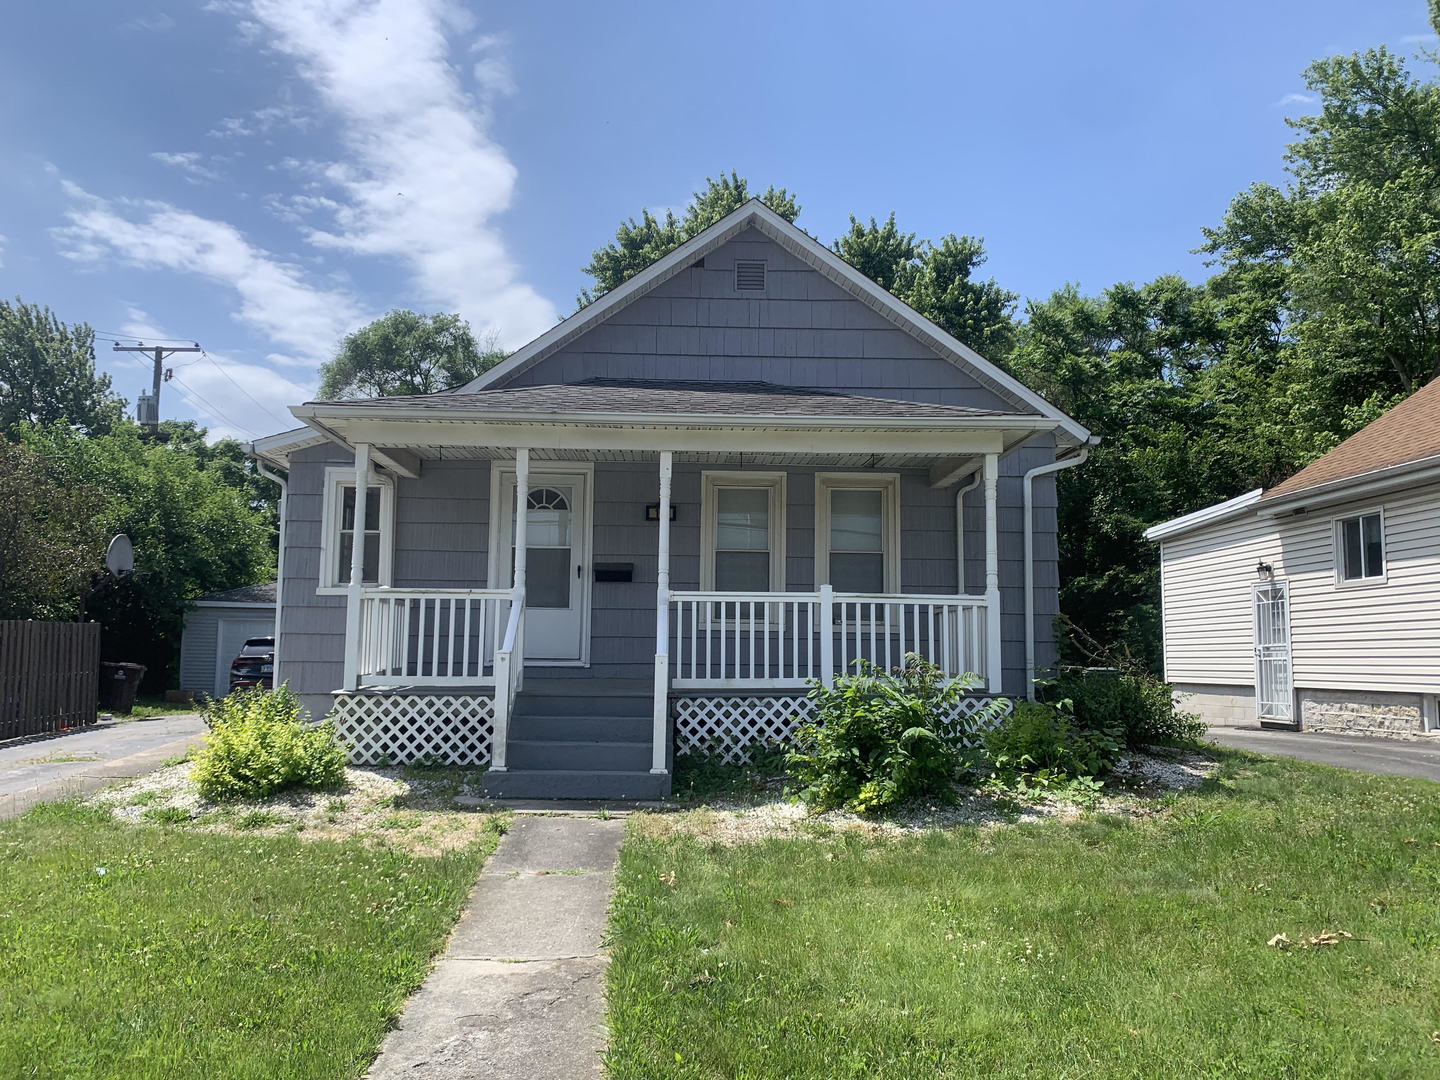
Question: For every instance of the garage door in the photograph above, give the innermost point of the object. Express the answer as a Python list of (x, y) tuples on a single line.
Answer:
[(231, 635)]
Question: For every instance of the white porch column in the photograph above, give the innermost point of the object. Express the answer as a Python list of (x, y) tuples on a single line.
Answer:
[(992, 575), (522, 512), (357, 569), (661, 734)]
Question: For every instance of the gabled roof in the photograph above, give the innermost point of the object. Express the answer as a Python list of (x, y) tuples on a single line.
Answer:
[(755, 214), (695, 399), (1407, 434)]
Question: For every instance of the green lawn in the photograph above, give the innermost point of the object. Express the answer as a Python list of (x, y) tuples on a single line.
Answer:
[(1094, 948), (165, 952)]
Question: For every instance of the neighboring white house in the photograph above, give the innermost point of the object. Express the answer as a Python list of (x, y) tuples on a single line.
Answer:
[(1316, 604), (215, 629)]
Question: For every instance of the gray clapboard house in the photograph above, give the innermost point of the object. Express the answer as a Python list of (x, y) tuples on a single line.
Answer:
[(741, 470)]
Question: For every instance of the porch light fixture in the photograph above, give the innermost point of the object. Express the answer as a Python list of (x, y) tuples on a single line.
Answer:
[(652, 512), (1264, 571)]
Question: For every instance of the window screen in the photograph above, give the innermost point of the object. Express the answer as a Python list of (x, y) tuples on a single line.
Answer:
[(742, 539), (857, 545), (1362, 548)]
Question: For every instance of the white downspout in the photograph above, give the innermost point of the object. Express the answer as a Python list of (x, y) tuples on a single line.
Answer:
[(284, 484), (960, 493), (1039, 470)]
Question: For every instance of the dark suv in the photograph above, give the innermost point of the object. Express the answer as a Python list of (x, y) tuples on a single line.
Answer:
[(255, 666)]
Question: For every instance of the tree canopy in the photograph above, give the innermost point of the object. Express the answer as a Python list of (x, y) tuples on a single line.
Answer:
[(47, 373), (403, 352)]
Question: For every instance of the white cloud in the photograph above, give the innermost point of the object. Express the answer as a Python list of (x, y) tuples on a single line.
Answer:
[(263, 122), (1296, 99), (303, 319), (423, 181), (231, 398), (188, 162)]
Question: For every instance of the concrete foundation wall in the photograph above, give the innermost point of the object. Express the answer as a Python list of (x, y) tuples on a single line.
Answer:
[(1219, 706)]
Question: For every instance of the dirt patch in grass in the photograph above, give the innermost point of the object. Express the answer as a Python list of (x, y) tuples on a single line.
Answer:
[(424, 811), (1141, 786)]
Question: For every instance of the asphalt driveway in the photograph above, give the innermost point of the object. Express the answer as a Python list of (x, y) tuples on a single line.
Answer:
[(1394, 757), (52, 767)]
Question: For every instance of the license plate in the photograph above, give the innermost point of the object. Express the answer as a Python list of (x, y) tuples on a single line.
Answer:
[(266, 669)]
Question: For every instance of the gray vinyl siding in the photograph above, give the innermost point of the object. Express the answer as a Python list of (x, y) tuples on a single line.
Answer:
[(803, 330), (441, 541)]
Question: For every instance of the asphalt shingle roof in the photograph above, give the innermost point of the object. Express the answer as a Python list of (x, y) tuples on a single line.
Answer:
[(1409, 432), (682, 397), (246, 594)]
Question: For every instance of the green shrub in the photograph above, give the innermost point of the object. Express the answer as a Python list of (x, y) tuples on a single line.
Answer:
[(1038, 740), (258, 746), (877, 739), (1137, 705)]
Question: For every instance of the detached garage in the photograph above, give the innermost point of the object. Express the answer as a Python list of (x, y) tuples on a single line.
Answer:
[(215, 629)]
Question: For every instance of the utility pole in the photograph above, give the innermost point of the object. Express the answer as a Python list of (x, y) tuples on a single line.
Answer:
[(160, 352)]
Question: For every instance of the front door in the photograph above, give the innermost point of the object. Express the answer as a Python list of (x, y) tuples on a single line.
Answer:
[(1274, 693), (557, 588)]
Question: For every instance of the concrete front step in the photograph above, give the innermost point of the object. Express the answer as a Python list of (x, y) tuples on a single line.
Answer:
[(575, 784), (579, 755)]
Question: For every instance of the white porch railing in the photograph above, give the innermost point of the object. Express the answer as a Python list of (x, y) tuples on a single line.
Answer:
[(780, 640), (430, 637), (509, 674)]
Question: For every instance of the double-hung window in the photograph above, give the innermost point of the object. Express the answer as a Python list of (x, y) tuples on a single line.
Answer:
[(857, 527), (1360, 548), (339, 531), (742, 532)]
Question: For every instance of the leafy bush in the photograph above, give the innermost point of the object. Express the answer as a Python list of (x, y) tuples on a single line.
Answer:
[(1137, 705), (1042, 741), (258, 746), (878, 738)]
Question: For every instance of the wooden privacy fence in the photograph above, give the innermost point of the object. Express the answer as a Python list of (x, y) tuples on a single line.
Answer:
[(49, 676)]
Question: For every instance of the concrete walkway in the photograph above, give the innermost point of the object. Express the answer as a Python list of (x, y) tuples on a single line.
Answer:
[(50, 767), (1393, 757), (519, 992)]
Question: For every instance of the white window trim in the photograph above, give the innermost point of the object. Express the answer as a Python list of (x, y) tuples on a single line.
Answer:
[(337, 478), (710, 482), (888, 484), (1338, 549)]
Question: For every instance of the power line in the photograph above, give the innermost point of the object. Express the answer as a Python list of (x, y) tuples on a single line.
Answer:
[(274, 416), (214, 412), (160, 352)]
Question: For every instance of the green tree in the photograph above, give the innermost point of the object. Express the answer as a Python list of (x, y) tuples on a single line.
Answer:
[(937, 280), (193, 534), (51, 542), (406, 353), (47, 373), (639, 243)]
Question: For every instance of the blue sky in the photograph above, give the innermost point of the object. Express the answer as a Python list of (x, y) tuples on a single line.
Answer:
[(263, 175)]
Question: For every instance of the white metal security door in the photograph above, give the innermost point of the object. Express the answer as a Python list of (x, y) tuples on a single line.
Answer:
[(1274, 693), (557, 604)]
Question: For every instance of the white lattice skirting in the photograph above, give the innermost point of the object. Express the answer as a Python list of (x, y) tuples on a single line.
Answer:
[(401, 729), (727, 725)]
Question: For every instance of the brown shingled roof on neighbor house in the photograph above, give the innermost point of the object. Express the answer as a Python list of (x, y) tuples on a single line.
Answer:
[(1407, 433)]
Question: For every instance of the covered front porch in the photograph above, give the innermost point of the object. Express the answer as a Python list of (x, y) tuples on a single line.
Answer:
[(750, 538)]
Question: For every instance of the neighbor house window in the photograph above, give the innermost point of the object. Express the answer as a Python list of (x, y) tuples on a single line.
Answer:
[(340, 531), (1360, 547), (743, 532), (857, 523)]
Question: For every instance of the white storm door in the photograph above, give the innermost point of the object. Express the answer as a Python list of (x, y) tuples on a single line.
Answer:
[(557, 587), (1274, 692)]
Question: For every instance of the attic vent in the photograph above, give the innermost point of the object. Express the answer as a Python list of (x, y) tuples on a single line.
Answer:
[(749, 274)]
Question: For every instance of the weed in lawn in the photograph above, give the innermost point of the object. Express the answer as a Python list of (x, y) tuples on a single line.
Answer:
[(166, 815), (259, 819), (178, 759), (144, 798)]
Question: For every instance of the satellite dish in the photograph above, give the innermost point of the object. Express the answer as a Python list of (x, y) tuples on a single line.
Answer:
[(120, 556)]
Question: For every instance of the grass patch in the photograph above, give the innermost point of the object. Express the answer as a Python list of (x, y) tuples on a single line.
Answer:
[(146, 708), (259, 819), (165, 815), (198, 955), (1099, 947)]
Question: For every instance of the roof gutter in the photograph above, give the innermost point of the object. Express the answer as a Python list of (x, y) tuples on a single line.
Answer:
[(1375, 482)]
